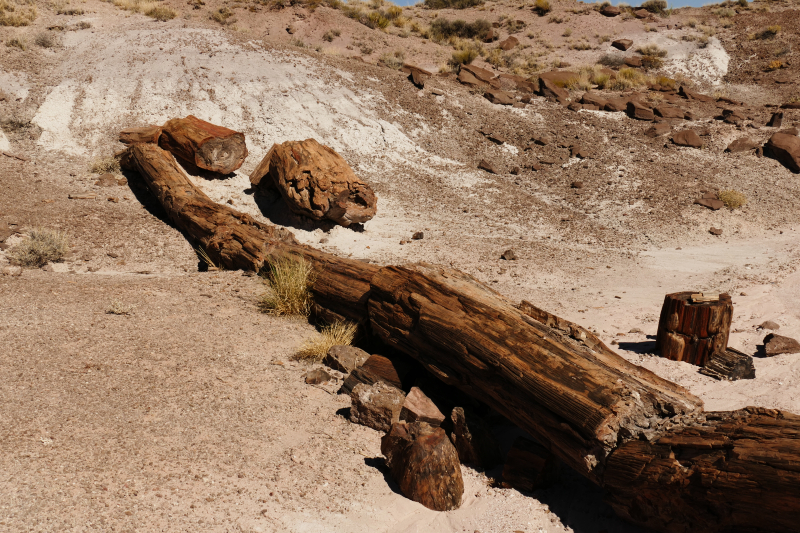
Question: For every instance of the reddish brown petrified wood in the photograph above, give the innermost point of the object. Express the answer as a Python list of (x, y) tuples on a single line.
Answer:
[(691, 332)]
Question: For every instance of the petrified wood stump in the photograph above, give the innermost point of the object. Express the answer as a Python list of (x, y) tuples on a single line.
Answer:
[(691, 331), (204, 145), (425, 464)]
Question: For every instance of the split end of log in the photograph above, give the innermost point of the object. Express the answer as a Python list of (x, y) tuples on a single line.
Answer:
[(729, 365)]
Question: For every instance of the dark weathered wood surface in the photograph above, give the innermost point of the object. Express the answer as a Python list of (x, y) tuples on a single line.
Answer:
[(204, 145), (145, 134), (729, 365), (691, 332)]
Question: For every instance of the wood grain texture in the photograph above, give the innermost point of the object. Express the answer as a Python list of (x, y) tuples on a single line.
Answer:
[(691, 332), (144, 134), (729, 365), (204, 145)]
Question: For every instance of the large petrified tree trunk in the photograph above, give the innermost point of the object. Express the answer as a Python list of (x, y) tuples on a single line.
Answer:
[(691, 331), (203, 144), (664, 462)]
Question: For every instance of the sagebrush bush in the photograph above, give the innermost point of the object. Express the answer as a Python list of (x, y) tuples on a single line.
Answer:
[(542, 7), (161, 13), (654, 6), (288, 280), (336, 334), (222, 15), (101, 165), (46, 39), (463, 57), (40, 247), (452, 4), (17, 42), (652, 49), (612, 60), (732, 199), (442, 29)]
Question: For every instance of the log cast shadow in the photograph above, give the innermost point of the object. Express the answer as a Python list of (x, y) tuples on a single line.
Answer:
[(379, 464), (641, 347), (274, 208)]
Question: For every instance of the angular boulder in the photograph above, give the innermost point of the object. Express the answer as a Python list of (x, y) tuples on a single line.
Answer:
[(633, 62), (345, 358), (508, 43), (742, 144), (616, 105), (394, 371), (481, 74), (610, 11), (776, 121), (687, 138), (641, 13), (622, 44), (691, 95), (473, 440), (419, 408), (549, 89), (786, 149), (424, 463), (666, 111), (499, 97), (590, 98), (778, 344), (657, 130), (376, 406), (639, 111), (416, 75), (316, 182), (467, 78), (488, 167)]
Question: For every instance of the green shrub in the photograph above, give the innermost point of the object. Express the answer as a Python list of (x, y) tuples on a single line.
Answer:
[(442, 29)]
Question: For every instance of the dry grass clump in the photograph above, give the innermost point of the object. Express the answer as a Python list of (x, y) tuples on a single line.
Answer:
[(288, 280), (46, 39), (627, 78), (120, 308), (732, 199), (767, 33), (330, 35), (612, 60), (542, 7), (336, 334), (161, 13), (655, 6), (393, 60), (17, 42), (442, 29), (724, 12), (664, 81), (776, 64), (222, 15), (12, 14), (101, 165), (41, 246), (466, 55), (452, 4), (652, 49)]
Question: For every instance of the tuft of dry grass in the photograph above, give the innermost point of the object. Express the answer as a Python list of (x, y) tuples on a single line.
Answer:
[(393, 60), (12, 14), (288, 280), (542, 7), (101, 165), (119, 308), (652, 49), (766, 33), (222, 15), (330, 35), (46, 39), (17, 42), (775, 64), (40, 247), (336, 334), (161, 13), (732, 199), (655, 6)]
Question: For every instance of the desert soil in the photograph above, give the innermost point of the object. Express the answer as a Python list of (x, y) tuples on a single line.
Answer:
[(188, 413)]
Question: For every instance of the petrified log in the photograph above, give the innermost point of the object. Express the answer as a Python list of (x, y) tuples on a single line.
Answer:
[(377, 406), (664, 463), (425, 465), (235, 240), (204, 145), (316, 182), (691, 330), (473, 440), (529, 466), (145, 134), (730, 365)]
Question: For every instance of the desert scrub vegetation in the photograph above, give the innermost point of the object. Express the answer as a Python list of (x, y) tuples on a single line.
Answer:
[(452, 4), (732, 199), (776, 64), (652, 56), (288, 280), (41, 246), (658, 7), (222, 15), (442, 29), (117, 307), (767, 33), (46, 39), (17, 42), (724, 12), (542, 7), (466, 52), (161, 13), (101, 165), (330, 35), (337, 334), (393, 60), (13, 14)]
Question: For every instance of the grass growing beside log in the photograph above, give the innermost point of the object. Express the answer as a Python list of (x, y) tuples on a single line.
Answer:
[(288, 280), (336, 334), (40, 247)]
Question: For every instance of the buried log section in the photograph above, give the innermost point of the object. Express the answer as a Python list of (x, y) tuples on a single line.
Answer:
[(663, 461)]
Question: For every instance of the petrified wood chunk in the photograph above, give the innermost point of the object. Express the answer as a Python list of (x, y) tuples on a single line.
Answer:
[(691, 332), (345, 358), (146, 134), (376, 406), (204, 145), (316, 182), (529, 466), (425, 465), (392, 370), (473, 440), (420, 408), (729, 364)]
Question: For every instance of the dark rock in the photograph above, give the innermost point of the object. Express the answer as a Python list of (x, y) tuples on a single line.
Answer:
[(633, 62), (778, 344), (529, 466), (786, 149), (639, 111), (418, 235), (549, 89), (467, 78), (542, 140), (743, 144), (769, 324), (317, 376), (376, 406), (575, 106), (515, 171), (496, 138), (345, 358), (488, 167), (715, 231), (641, 13), (733, 116), (394, 371), (497, 96), (659, 129), (665, 111), (714, 205), (616, 104), (622, 44), (509, 255), (610, 11), (508, 43), (473, 440), (481, 74), (577, 185), (590, 98), (425, 465), (687, 138), (691, 95), (419, 408), (776, 121)]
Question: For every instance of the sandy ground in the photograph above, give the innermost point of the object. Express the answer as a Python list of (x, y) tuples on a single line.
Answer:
[(189, 414)]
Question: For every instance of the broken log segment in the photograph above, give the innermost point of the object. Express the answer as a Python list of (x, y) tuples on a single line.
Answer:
[(729, 365), (692, 328), (145, 134), (204, 145), (582, 403), (315, 182)]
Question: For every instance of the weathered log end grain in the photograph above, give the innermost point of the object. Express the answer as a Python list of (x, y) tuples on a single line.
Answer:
[(729, 365), (530, 466), (204, 145), (736, 472), (316, 182), (423, 461), (691, 331), (145, 134)]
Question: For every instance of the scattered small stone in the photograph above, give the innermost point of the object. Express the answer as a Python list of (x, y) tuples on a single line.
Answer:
[(113, 199), (82, 196), (769, 324), (776, 121), (636, 330), (622, 44), (509, 255), (577, 151), (488, 167), (508, 44), (497, 96), (112, 255), (376, 406), (639, 111), (777, 344), (122, 181), (515, 171), (323, 240), (743, 144), (418, 236), (715, 231), (496, 138), (577, 185), (317, 376), (542, 140), (657, 130), (437, 92), (742, 294), (687, 138)]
